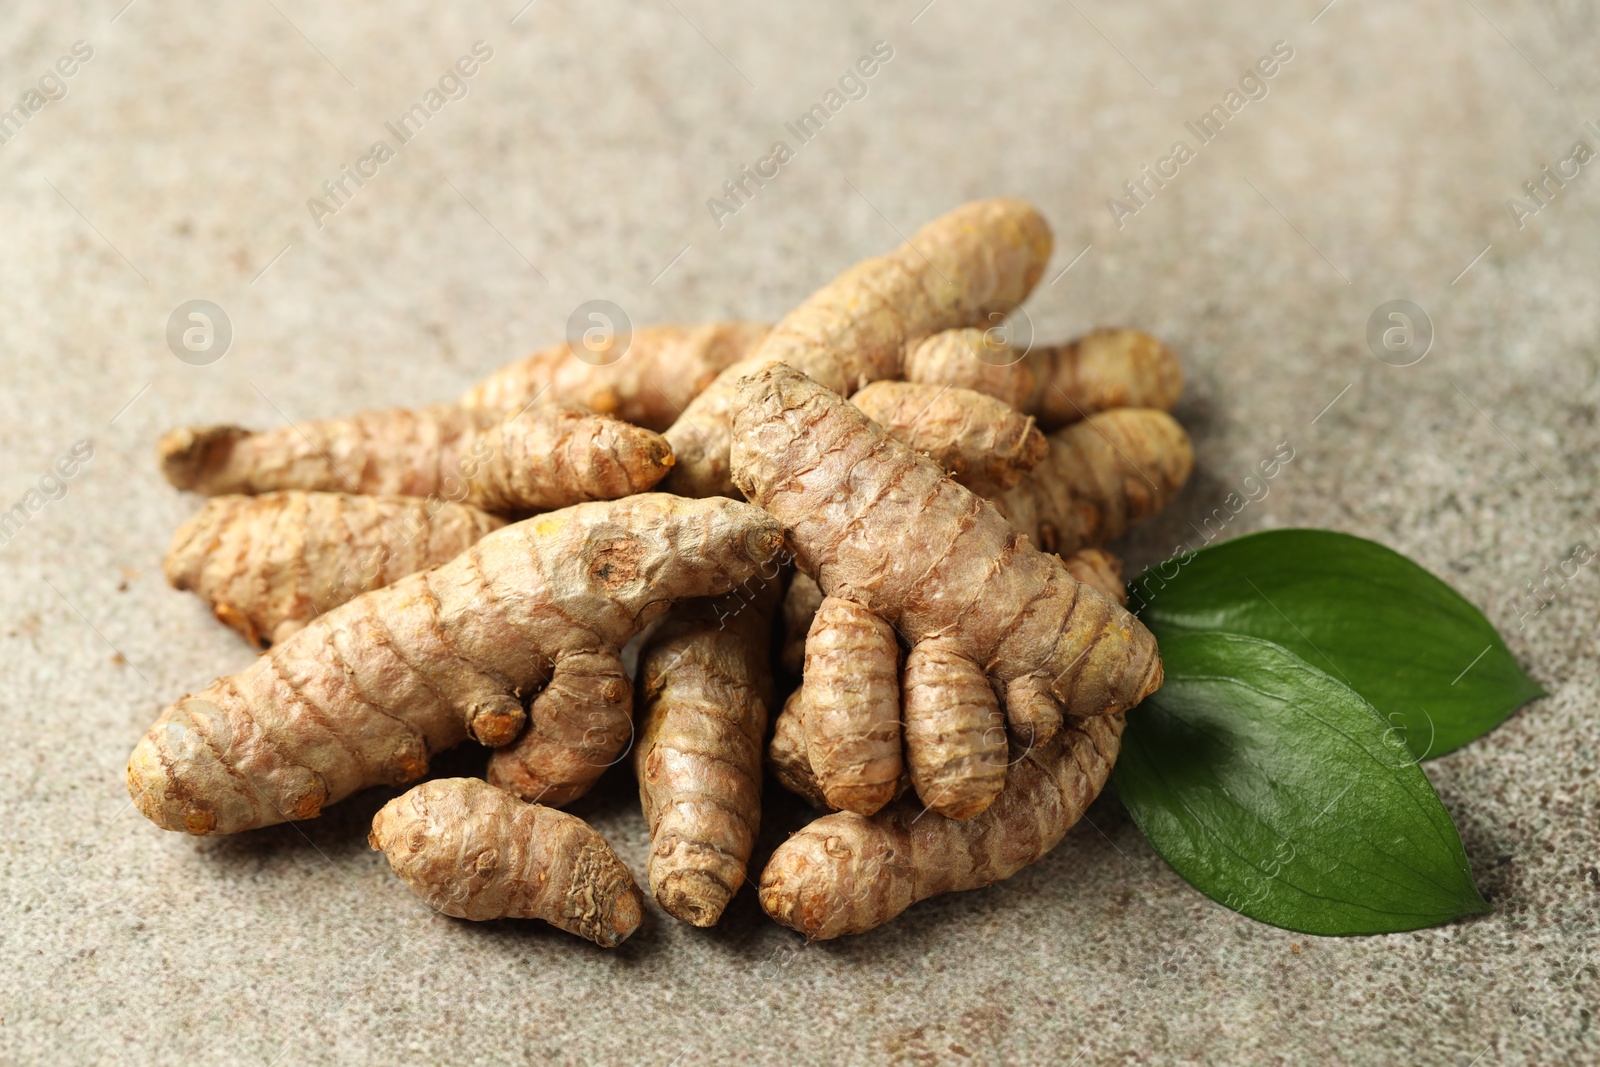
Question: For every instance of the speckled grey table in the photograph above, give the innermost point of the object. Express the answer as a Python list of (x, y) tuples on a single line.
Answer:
[(575, 163)]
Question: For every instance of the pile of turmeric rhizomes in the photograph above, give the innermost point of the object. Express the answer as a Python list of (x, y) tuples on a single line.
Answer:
[(924, 556)]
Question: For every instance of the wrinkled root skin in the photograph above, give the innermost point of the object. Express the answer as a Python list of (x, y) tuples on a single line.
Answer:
[(475, 852), (1099, 569), (790, 761), (846, 873), (1057, 384), (1034, 716), (883, 528), (1100, 478), (787, 757), (578, 726), (975, 359), (982, 443), (649, 384), (367, 693), (394, 452), (553, 457), (955, 734), (851, 697), (705, 684), (1102, 370), (979, 260), (269, 564), (539, 459), (1094, 567), (800, 603)]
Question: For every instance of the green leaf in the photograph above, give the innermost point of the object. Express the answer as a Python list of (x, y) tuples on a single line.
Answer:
[(1427, 659), (1275, 790)]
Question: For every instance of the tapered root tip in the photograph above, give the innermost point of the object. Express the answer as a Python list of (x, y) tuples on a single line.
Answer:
[(794, 894), (642, 457), (163, 799), (765, 543), (1035, 446), (604, 904), (659, 453), (519, 773), (185, 775), (861, 799), (693, 896), (190, 454), (966, 805), (496, 722), (627, 912)]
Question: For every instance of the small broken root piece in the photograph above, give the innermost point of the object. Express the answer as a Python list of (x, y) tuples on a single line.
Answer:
[(475, 852)]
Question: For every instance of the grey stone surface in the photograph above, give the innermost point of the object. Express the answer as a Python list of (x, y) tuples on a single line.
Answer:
[(578, 166)]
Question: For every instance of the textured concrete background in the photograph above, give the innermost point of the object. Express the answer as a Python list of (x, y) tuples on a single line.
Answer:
[(578, 166)]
